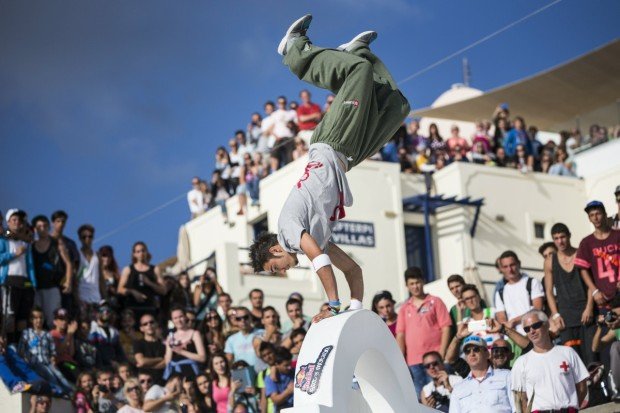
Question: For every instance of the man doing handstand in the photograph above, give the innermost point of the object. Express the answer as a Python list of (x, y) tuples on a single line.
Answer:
[(367, 111)]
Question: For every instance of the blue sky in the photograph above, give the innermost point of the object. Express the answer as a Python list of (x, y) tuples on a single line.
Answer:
[(108, 108)]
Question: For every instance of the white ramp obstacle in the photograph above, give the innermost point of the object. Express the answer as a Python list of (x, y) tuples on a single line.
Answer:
[(354, 343)]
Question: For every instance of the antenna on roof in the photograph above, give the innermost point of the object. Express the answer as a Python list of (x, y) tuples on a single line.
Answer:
[(466, 72)]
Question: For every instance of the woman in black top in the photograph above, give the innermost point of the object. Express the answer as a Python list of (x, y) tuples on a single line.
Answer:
[(141, 283)]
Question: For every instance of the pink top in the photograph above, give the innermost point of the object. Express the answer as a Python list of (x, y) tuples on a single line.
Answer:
[(422, 326), (220, 397)]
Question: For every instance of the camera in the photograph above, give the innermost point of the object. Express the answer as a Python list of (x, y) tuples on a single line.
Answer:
[(103, 388), (610, 317), (440, 399)]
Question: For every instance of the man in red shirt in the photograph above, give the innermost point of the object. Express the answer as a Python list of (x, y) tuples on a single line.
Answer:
[(308, 116), (423, 325), (598, 257)]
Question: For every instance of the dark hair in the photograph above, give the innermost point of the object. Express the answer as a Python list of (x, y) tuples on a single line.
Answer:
[(177, 307), (39, 218), (240, 131), (297, 332), (109, 251), (259, 250), (283, 98), (381, 295), (414, 273), (560, 228), (456, 278), (270, 103), (104, 370), (221, 354), (509, 254), (266, 345), (470, 287), (546, 245), (439, 138), (282, 354), (148, 254), (59, 214), (291, 301), (432, 353), (36, 309), (255, 290), (85, 227)]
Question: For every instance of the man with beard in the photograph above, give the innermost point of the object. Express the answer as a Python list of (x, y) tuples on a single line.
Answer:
[(106, 338)]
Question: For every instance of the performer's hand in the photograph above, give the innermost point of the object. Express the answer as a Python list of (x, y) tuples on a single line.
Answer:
[(322, 315)]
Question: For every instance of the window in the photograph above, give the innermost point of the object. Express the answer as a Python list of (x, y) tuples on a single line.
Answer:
[(259, 227), (416, 249), (539, 230)]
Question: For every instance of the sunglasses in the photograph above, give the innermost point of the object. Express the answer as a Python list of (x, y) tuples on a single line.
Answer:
[(147, 323), (469, 349), (242, 318), (431, 364), (86, 237), (146, 381), (499, 351), (468, 299), (134, 388), (534, 326)]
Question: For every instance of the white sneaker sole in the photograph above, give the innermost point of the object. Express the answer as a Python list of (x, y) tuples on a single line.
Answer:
[(303, 23), (364, 37)]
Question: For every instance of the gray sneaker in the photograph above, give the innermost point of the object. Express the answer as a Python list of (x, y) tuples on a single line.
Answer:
[(365, 38), (297, 29)]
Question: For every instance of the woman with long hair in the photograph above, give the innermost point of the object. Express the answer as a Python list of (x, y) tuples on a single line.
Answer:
[(181, 294), (141, 282), (213, 331), (185, 351), (383, 305), (221, 381), (205, 396), (110, 275), (435, 140), (133, 395), (82, 399)]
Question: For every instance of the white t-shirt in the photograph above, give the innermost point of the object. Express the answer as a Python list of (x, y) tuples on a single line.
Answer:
[(195, 200), (549, 378), (128, 409), (156, 392), (281, 118), (430, 387), (17, 266), (88, 279), (516, 299)]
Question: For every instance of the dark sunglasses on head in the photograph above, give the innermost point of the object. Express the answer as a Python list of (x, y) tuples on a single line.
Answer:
[(534, 326), (475, 349), (242, 318), (431, 364)]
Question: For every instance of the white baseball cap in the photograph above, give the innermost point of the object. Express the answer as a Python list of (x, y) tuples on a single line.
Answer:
[(12, 212)]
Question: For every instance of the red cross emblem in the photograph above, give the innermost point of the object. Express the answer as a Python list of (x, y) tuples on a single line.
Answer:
[(564, 366)]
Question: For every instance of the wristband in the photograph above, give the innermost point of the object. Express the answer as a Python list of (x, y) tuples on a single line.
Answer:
[(595, 291), (334, 306), (321, 261), (556, 315)]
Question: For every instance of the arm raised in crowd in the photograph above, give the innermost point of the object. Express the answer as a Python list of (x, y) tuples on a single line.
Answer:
[(519, 339), (452, 353)]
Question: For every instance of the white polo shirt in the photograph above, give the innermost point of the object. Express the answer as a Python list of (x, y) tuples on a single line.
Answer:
[(549, 378), (516, 300)]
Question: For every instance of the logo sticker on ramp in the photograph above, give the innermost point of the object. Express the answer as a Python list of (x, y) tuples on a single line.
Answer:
[(309, 375)]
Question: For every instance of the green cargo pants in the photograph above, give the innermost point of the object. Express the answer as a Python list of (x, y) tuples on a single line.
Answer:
[(368, 108)]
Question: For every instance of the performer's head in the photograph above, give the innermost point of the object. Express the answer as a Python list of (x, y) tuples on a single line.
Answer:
[(266, 254)]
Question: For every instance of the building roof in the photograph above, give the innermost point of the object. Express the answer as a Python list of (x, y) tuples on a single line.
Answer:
[(580, 92)]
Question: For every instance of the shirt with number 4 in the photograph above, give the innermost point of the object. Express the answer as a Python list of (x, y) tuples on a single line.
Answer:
[(602, 258), (549, 378)]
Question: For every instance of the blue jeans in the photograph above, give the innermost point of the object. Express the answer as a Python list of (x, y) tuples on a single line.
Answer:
[(252, 187), (14, 369), (419, 376)]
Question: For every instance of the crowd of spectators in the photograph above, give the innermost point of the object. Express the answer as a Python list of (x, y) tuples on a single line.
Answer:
[(283, 134), (76, 325)]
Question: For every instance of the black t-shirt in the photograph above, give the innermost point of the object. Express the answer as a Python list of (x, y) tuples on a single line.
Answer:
[(47, 268), (151, 349)]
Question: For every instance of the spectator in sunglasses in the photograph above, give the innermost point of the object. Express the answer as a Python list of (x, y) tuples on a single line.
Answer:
[(150, 351), (501, 354), (550, 377), (239, 346), (134, 396), (436, 393), (485, 388), (40, 404)]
